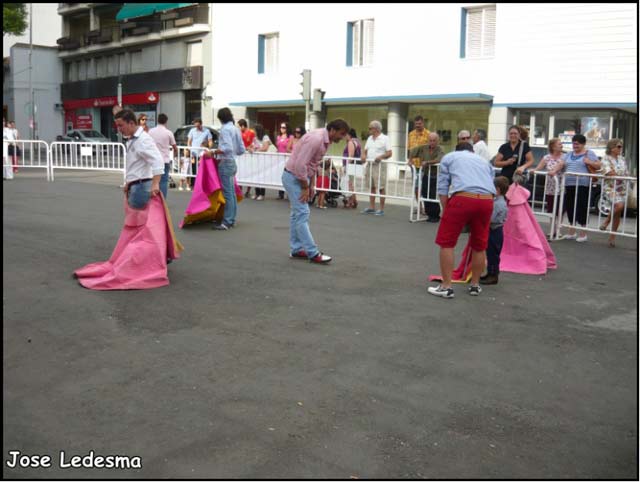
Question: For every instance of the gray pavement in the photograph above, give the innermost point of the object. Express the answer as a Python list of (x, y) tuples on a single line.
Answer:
[(252, 365)]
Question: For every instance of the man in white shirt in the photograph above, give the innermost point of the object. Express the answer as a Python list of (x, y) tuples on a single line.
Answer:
[(164, 140), (480, 145), (376, 150), (144, 164)]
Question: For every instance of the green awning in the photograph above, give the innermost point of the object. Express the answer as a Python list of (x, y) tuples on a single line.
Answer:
[(133, 10)]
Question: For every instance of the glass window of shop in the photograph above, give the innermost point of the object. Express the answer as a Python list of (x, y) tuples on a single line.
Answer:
[(448, 119), (271, 118), (192, 106), (598, 126), (358, 117)]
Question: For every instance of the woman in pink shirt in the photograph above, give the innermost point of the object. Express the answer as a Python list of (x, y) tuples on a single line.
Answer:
[(282, 141)]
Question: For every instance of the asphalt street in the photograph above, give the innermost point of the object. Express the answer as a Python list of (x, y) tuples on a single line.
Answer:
[(253, 365)]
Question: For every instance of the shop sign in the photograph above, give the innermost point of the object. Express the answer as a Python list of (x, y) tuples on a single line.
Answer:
[(84, 122)]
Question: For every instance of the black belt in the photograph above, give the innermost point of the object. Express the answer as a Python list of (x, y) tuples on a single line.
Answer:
[(138, 181)]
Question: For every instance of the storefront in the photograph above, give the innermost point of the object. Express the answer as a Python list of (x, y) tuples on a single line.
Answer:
[(597, 125), (96, 113)]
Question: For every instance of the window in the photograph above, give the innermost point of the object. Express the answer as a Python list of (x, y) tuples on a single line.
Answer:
[(194, 54), (478, 32), (100, 66), (112, 65), (122, 66), (268, 53), (136, 61), (360, 42), (82, 73)]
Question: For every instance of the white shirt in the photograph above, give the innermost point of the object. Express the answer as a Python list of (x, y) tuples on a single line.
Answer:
[(482, 150), (9, 133), (377, 147), (144, 160)]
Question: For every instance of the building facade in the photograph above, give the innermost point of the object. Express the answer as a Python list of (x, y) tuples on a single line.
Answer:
[(557, 68), (155, 53), (46, 75)]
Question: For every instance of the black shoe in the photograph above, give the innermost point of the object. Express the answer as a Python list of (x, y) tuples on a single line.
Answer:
[(433, 220), (490, 279)]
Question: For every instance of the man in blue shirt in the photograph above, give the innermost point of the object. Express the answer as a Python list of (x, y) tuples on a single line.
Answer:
[(198, 137), (230, 145), (469, 178)]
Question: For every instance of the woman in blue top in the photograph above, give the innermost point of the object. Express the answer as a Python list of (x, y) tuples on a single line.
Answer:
[(576, 198)]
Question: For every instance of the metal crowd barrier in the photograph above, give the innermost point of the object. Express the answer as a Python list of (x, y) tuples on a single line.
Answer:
[(600, 194), (261, 169), (183, 167), (24, 154), (347, 175), (94, 156)]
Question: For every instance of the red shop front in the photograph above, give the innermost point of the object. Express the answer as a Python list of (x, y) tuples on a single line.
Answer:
[(96, 113)]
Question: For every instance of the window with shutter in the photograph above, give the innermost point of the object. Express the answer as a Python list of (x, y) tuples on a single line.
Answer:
[(480, 24), (268, 46), (361, 36), (194, 53)]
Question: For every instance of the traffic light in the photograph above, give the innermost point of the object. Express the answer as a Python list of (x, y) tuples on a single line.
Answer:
[(318, 95), (306, 84)]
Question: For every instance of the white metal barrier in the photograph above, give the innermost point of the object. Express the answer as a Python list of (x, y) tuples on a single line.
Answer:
[(346, 176), (185, 166), (94, 156), (261, 169), (24, 154), (600, 196)]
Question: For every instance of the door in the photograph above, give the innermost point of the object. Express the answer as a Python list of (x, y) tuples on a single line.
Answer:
[(271, 122)]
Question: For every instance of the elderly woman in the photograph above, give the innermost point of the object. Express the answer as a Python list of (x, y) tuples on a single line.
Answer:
[(613, 164), (576, 198), (553, 164), (514, 156)]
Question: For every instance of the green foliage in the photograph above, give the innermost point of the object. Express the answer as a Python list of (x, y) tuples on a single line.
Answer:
[(14, 18)]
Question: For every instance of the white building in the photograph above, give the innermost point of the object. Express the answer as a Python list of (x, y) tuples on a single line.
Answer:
[(46, 76), (553, 67)]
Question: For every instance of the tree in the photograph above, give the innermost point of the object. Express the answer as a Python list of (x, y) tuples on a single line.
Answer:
[(14, 18)]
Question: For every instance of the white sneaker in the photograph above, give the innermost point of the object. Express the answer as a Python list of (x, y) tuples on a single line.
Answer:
[(180, 188), (569, 236), (440, 291), (254, 197), (260, 198), (188, 188), (582, 239)]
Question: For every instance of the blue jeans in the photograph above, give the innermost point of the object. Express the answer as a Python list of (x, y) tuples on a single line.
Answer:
[(299, 232), (139, 195), (164, 180), (227, 171), (494, 247)]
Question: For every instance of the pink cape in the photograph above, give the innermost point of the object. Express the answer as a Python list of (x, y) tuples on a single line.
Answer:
[(525, 248), (139, 260), (207, 201), (462, 274)]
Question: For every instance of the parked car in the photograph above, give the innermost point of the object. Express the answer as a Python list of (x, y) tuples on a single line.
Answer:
[(181, 134), (84, 136)]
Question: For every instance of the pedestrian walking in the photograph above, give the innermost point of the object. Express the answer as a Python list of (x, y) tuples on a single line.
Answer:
[(164, 140)]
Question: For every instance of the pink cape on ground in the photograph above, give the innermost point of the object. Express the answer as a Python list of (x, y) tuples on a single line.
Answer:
[(462, 274), (139, 260), (525, 248), (207, 201)]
